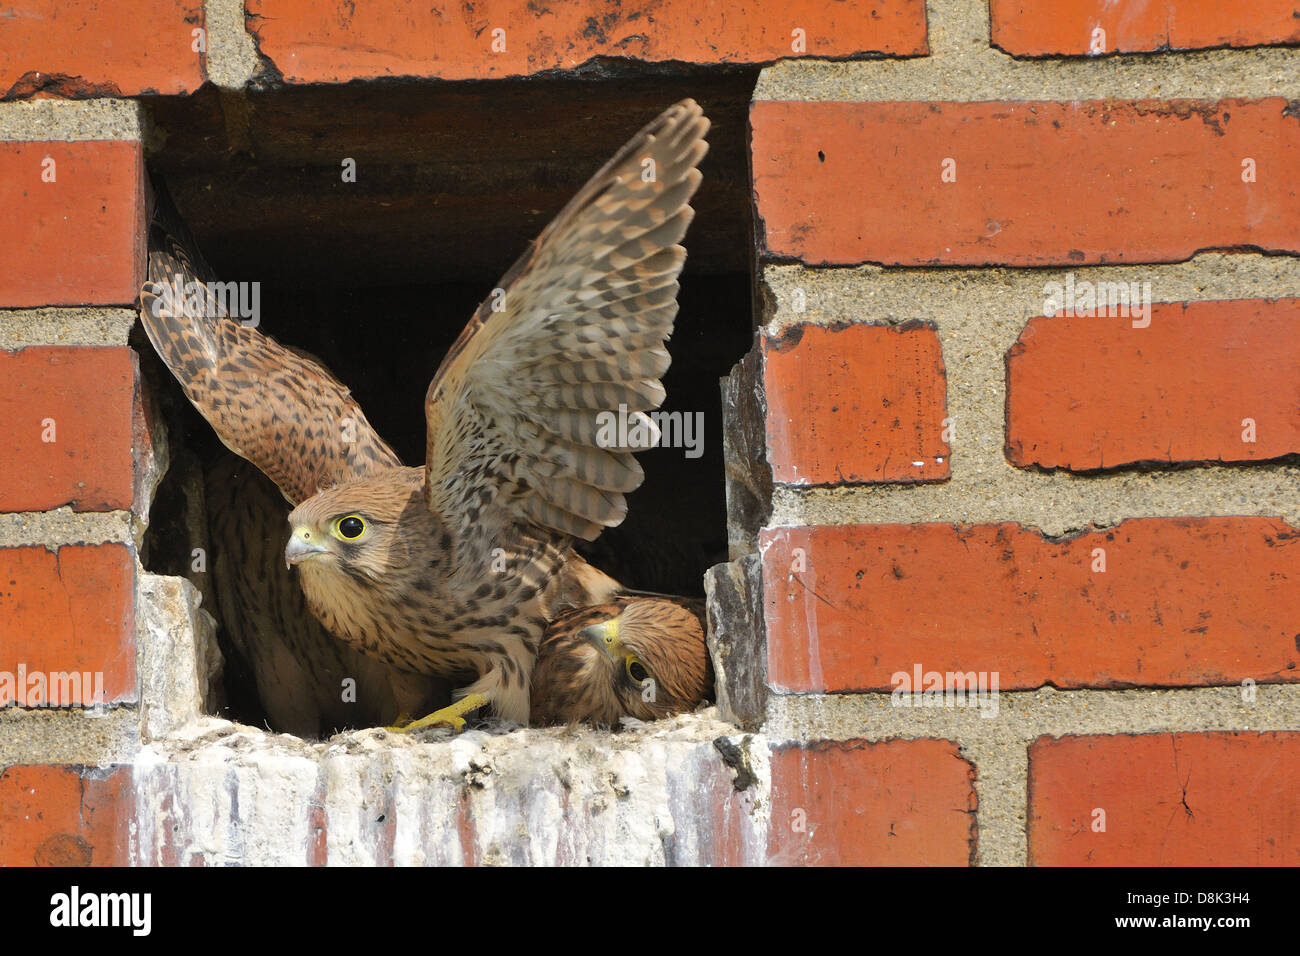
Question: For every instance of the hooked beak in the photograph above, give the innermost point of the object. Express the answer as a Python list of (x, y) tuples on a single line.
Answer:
[(302, 545), (603, 636)]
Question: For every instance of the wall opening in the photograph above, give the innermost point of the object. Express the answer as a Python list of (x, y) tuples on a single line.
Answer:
[(378, 276)]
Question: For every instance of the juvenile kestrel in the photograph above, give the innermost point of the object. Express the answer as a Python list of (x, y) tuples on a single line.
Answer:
[(637, 656), (309, 683), (457, 568)]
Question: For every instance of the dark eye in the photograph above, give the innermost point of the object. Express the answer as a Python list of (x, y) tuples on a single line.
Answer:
[(352, 527), (636, 670)]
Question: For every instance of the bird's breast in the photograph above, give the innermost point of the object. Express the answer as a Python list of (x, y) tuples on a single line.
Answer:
[(435, 624)]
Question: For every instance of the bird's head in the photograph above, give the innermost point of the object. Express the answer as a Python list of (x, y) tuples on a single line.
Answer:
[(362, 528), (654, 657)]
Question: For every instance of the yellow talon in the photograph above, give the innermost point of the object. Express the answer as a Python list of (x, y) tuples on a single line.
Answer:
[(450, 716)]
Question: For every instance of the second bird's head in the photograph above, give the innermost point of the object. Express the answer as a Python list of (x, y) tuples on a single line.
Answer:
[(653, 658)]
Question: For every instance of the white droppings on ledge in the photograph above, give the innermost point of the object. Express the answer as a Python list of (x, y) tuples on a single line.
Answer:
[(649, 795)]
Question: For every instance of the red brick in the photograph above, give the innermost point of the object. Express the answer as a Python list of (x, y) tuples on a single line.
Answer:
[(858, 403), (93, 397), (732, 841), (64, 816), (895, 803), (80, 239), (318, 818), (1036, 183), (310, 42), (1022, 28), (70, 611), (1094, 392), (81, 48), (1213, 799), (1182, 602)]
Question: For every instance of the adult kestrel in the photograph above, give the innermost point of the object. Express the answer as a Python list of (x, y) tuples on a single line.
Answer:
[(637, 656), (457, 568)]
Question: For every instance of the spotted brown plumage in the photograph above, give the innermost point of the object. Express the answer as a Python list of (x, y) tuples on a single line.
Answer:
[(309, 683), (269, 404), (636, 656), (459, 567)]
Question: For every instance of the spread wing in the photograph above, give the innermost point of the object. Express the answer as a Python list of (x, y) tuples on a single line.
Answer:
[(535, 410), (278, 409)]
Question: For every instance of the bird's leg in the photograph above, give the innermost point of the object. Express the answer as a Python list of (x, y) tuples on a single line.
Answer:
[(451, 715)]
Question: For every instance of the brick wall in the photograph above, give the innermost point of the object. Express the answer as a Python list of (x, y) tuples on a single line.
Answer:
[(938, 461)]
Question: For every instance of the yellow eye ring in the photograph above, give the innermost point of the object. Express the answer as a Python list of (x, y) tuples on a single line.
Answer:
[(349, 527), (637, 671)]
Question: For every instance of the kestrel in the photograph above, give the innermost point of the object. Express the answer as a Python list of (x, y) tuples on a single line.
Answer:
[(457, 568), (309, 683), (637, 656)]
